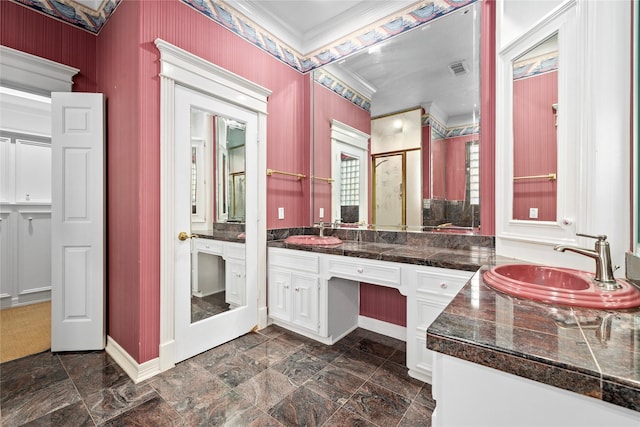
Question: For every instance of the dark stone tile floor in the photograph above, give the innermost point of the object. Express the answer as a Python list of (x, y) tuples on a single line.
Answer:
[(267, 378)]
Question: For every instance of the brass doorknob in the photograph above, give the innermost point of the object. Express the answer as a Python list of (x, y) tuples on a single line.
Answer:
[(183, 235)]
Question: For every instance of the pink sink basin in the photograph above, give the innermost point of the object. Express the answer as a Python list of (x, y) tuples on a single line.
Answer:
[(313, 240), (562, 286)]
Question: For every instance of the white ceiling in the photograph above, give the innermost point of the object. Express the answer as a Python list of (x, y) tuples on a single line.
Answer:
[(308, 25), (410, 70)]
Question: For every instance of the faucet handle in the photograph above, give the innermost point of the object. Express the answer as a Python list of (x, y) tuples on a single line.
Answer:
[(599, 237)]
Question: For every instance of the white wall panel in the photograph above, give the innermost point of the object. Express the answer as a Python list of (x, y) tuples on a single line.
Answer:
[(33, 171)]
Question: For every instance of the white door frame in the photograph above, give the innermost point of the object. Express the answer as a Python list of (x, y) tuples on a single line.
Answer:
[(23, 71), (178, 66), (345, 138)]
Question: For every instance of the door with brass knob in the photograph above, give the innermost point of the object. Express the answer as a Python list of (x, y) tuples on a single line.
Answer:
[(213, 303), (183, 235)]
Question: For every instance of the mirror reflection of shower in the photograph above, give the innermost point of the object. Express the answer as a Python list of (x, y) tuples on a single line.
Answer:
[(396, 155)]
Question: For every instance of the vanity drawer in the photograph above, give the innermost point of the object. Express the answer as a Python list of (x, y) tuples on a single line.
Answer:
[(445, 282), (363, 271), (209, 246), (234, 250), (294, 260)]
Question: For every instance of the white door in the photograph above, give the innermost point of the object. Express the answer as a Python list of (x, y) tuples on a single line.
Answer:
[(193, 337), (77, 222)]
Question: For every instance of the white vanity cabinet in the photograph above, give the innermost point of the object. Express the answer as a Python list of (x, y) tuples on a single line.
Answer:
[(318, 295), (235, 275), (227, 267), (434, 290), (294, 289)]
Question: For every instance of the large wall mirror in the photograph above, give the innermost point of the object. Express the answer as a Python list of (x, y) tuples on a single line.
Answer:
[(217, 190), (423, 120)]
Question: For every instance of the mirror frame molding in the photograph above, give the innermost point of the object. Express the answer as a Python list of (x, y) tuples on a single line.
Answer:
[(178, 66), (563, 20), (352, 137), (635, 146)]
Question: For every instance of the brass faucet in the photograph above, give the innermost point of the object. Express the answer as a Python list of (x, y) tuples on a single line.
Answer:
[(602, 255)]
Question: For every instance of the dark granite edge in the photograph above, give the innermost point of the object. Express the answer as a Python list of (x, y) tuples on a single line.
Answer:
[(571, 378), (379, 255), (364, 235), (225, 237), (621, 395), (566, 379)]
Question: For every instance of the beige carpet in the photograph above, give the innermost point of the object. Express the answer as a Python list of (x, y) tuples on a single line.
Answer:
[(25, 330)]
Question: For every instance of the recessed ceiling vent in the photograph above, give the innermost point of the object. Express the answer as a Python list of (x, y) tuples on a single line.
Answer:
[(458, 68)]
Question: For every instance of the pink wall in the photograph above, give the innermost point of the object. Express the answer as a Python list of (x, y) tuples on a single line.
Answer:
[(127, 44), (383, 303), (328, 106), (426, 162), (457, 166), (438, 171), (117, 64), (31, 32), (535, 147), (488, 117)]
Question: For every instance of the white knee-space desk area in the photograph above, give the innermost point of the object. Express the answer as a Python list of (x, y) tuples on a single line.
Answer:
[(317, 295)]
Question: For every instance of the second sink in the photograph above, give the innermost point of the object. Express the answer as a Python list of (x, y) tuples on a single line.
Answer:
[(312, 240), (562, 286)]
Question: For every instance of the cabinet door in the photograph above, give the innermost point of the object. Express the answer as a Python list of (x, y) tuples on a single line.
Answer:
[(234, 283), (305, 301), (7, 248), (34, 252), (279, 294)]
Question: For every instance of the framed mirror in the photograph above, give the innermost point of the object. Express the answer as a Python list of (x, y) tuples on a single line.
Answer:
[(432, 70), (349, 175), (535, 121), (538, 137)]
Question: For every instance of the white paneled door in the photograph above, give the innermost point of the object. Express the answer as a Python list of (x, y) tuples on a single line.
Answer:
[(77, 222)]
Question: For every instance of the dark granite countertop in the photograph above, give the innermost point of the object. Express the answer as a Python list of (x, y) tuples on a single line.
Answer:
[(592, 352), (227, 236), (462, 258)]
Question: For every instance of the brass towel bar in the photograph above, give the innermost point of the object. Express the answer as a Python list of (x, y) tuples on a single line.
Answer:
[(329, 180), (297, 175), (550, 177)]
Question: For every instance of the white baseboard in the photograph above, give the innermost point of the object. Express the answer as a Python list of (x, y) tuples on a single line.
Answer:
[(384, 328), (136, 371)]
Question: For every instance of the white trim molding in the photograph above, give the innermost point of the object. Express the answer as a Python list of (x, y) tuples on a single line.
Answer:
[(381, 327), (534, 240), (179, 67), (20, 70), (137, 371)]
